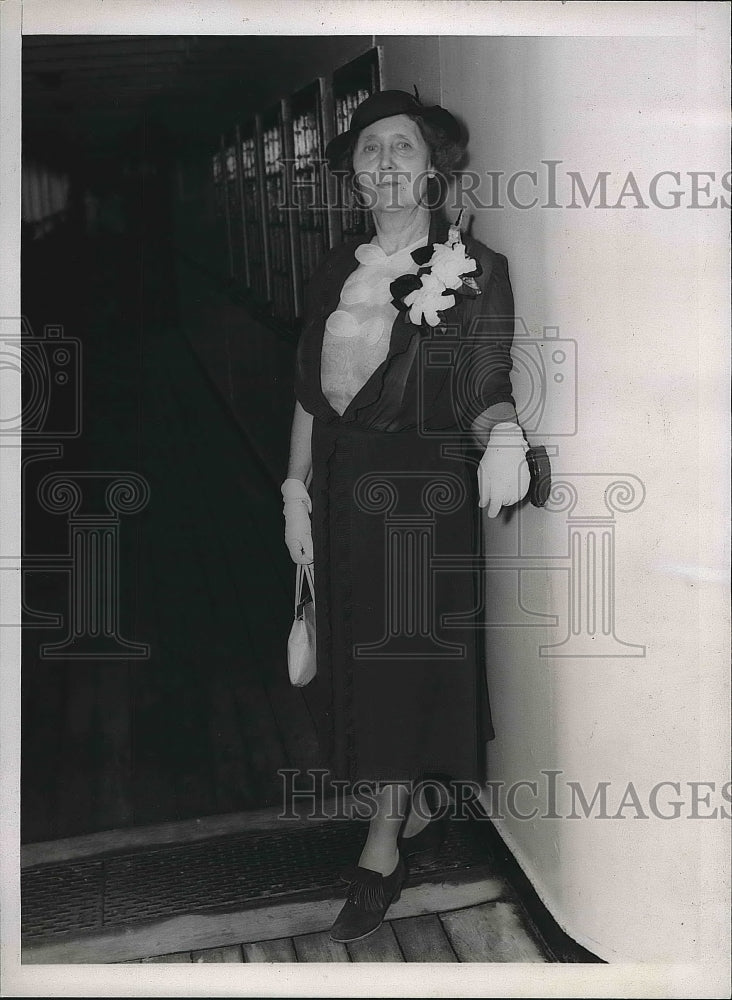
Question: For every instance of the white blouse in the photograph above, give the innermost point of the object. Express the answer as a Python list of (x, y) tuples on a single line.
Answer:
[(357, 334)]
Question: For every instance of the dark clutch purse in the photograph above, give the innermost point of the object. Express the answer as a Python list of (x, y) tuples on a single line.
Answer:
[(541, 475)]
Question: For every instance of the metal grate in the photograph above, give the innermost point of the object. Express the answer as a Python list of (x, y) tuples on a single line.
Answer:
[(65, 897), (234, 872)]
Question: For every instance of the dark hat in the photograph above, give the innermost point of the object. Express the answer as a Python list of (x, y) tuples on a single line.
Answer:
[(384, 104)]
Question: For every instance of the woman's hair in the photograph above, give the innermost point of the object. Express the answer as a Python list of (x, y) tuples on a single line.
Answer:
[(446, 153)]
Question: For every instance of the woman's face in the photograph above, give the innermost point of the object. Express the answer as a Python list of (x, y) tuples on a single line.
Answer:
[(390, 161)]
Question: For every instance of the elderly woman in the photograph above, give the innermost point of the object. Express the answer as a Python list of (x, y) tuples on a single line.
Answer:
[(402, 366)]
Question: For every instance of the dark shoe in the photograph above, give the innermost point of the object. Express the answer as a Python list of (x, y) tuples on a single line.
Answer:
[(429, 840), (368, 898)]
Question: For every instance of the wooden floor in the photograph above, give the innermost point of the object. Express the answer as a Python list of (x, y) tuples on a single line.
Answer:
[(491, 932), (473, 913)]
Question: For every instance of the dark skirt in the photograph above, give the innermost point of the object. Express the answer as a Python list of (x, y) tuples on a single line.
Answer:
[(400, 690)]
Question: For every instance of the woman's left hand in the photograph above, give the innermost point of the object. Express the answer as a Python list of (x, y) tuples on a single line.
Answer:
[(503, 473)]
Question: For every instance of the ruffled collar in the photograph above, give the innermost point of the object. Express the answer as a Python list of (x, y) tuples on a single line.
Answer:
[(404, 336), (372, 255)]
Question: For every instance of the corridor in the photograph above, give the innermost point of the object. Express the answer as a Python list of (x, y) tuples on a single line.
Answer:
[(174, 204), (202, 724)]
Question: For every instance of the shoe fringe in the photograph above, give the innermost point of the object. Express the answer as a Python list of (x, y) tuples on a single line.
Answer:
[(366, 890)]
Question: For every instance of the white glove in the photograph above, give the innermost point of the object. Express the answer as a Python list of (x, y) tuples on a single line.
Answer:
[(297, 507), (503, 473)]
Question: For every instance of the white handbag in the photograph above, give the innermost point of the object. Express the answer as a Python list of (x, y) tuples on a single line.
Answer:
[(301, 660)]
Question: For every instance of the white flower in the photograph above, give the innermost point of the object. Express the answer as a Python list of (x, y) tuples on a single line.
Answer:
[(449, 263), (424, 302), (444, 271)]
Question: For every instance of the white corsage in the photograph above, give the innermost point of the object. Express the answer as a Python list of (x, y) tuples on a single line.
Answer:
[(445, 271), (451, 264), (425, 301)]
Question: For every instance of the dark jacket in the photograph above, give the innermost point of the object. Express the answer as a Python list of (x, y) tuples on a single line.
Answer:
[(431, 377)]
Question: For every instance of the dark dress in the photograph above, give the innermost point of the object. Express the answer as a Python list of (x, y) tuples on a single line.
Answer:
[(400, 690)]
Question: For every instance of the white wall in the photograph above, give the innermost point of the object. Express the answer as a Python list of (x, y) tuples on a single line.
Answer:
[(628, 286)]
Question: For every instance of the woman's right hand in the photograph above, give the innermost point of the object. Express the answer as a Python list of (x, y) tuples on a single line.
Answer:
[(296, 508)]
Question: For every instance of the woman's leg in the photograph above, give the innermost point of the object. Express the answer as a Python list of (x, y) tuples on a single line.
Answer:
[(380, 852), (429, 798), (393, 803), (419, 813), (376, 882)]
